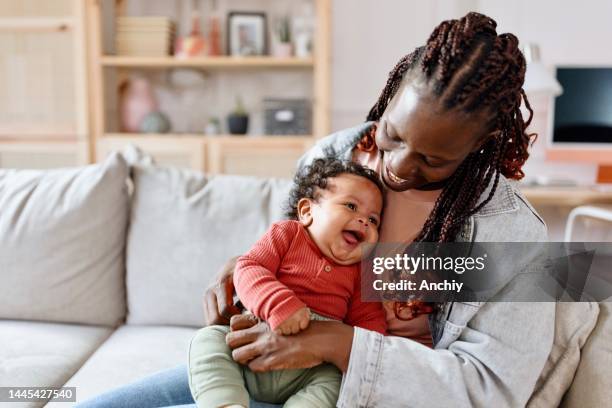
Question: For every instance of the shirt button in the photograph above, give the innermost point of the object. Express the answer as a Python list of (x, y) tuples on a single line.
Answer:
[(327, 268)]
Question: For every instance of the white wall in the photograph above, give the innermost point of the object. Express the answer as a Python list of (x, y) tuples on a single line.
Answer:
[(369, 37)]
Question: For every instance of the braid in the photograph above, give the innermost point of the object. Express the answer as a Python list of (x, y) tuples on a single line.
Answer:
[(393, 83), (469, 66)]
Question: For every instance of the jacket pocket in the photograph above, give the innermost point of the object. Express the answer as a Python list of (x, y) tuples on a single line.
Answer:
[(460, 314), (451, 333)]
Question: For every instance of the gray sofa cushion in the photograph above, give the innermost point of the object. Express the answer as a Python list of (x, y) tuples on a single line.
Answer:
[(62, 239), (592, 385), (131, 353), (37, 354), (574, 322), (184, 227)]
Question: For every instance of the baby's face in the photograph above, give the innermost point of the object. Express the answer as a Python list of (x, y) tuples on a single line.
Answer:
[(346, 215)]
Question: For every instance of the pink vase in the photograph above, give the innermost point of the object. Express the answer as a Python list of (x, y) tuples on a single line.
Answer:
[(282, 50), (137, 101)]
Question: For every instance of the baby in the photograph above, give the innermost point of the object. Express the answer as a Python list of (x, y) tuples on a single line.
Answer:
[(303, 269)]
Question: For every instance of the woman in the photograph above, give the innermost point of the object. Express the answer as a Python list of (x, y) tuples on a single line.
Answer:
[(445, 135)]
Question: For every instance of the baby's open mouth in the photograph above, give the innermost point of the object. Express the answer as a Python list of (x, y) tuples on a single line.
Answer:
[(353, 237)]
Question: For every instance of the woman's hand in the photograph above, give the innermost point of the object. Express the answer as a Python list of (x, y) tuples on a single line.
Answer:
[(218, 299), (262, 349)]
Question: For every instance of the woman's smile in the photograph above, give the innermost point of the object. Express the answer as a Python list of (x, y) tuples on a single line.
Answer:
[(394, 182), (398, 183), (395, 178)]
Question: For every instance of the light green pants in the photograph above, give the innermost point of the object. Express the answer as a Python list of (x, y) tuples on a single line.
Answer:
[(216, 380)]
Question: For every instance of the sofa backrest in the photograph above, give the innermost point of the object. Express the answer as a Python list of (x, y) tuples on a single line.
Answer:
[(592, 384), (62, 241), (184, 226)]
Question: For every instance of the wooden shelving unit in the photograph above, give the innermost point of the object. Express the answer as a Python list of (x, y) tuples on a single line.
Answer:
[(206, 62), (34, 24), (263, 139), (256, 155), (44, 117)]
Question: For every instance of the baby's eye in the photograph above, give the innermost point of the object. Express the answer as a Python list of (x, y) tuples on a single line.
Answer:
[(351, 206), (373, 221)]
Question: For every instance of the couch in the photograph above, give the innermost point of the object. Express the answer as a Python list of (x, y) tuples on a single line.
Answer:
[(102, 271)]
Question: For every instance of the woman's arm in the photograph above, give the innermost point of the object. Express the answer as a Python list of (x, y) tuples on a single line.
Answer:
[(218, 299), (496, 361), (264, 350)]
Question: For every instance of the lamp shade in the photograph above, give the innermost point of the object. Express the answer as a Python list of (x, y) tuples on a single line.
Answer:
[(538, 78)]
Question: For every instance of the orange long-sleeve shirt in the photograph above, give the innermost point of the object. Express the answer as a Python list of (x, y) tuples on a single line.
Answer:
[(285, 271)]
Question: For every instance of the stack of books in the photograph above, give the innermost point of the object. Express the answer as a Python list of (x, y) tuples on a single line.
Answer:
[(144, 36)]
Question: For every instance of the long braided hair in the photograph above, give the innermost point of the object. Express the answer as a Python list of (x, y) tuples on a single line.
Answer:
[(470, 67)]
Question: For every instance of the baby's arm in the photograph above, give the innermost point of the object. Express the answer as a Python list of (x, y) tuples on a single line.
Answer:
[(367, 315), (257, 285), (295, 323)]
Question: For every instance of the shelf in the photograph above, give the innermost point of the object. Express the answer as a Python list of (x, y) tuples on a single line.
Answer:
[(21, 131), (205, 62), (33, 146), (29, 24), (259, 139)]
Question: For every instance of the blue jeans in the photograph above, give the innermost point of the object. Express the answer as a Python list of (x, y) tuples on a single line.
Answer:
[(168, 388)]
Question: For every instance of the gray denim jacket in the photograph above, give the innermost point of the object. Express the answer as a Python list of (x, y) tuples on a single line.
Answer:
[(485, 355)]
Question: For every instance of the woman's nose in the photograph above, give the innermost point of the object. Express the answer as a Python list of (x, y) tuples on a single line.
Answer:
[(405, 165)]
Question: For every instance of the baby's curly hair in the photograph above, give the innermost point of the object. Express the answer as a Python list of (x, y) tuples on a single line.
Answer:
[(315, 176)]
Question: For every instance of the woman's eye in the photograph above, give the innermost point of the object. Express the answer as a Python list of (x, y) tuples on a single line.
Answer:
[(373, 221), (351, 206), (432, 162), (394, 138)]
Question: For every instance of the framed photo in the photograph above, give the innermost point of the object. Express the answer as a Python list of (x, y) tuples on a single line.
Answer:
[(247, 33)]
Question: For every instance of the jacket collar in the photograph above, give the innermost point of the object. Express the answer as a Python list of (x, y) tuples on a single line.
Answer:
[(504, 200)]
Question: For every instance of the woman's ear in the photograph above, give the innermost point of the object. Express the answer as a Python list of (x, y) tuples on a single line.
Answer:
[(304, 211), (486, 138)]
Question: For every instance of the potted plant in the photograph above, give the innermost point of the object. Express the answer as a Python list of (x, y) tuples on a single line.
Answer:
[(282, 46), (238, 120)]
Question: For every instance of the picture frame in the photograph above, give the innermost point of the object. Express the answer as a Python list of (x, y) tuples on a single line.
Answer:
[(247, 34)]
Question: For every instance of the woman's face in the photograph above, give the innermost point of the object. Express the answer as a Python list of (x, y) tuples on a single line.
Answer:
[(422, 144)]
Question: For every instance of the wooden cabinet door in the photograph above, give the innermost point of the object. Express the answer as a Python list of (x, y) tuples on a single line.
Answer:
[(263, 157)]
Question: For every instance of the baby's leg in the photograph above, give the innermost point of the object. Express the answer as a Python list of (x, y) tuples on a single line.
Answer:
[(321, 388), (316, 387), (215, 379)]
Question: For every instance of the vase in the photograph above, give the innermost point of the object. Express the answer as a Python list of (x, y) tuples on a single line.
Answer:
[(155, 122), (282, 50), (137, 101), (238, 124)]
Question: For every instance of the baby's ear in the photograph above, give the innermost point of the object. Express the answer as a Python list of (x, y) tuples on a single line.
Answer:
[(304, 211)]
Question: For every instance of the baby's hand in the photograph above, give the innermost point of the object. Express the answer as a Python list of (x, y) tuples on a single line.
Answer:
[(296, 322)]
